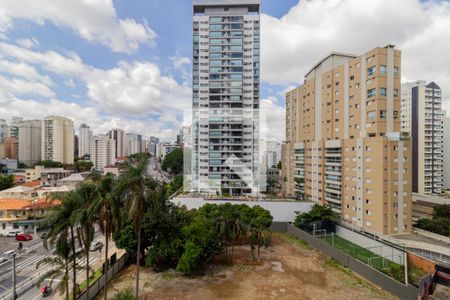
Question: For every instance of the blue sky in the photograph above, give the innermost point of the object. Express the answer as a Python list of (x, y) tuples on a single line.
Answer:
[(126, 63)]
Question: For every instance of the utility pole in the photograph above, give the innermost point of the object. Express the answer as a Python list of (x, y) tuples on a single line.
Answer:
[(14, 276)]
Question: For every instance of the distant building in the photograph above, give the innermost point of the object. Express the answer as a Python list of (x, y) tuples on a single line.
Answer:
[(57, 140), (118, 135), (153, 145), (3, 130), (19, 192), (272, 153), (102, 152), (446, 151), (72, 180), (11, 147), (132, 145), (165, 148), (30, 146), (32, 174), (51, 176), (421, 117), (84, 140)]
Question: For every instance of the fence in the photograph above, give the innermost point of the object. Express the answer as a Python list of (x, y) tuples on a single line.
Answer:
[(387, 283), (98, 285)]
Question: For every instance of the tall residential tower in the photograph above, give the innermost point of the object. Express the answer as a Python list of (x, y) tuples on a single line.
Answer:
[(225, 132), (343, 140), (57, 140), (30, 146), (84, 140), (422, 118)]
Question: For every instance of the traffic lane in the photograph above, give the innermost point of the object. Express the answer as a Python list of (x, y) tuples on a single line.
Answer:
[(10, 243)]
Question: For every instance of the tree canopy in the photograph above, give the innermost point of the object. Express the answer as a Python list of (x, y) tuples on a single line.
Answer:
[(6, 181), (173, 162), (439, 223), (318, 213)]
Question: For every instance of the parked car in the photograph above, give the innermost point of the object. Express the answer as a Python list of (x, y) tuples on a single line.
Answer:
[(97, 245), (23, 237), (7, 255), (13, 232)]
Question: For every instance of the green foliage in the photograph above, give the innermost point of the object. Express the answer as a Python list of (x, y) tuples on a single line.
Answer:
[(49, 164), (440, 223), (317, 213), (125, 238), (175, 184), (83, 166), (190, 258), (173, 162), (124, 295), (279, 165), (6, 181)]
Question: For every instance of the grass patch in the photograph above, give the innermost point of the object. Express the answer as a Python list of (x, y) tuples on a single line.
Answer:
[(294, 240), (93, 278), (167, 275), (386, 266)]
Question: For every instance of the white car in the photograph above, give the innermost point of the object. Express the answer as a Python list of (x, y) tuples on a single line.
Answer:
[(7, 255), (97, 245), (13, 232)]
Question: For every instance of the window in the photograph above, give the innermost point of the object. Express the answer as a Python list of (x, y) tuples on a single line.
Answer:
[(371, 115), (371, 93), (383, 70), (382, 114), (395, 92), (236, 41), (215, 62), (371, 71), (215, 27), (395, 71), (383, 92), (215, 48), (236, 48), (215, 19)]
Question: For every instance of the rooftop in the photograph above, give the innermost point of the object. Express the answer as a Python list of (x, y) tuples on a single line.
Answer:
[(18, 189), (13, 204), (351, 56)]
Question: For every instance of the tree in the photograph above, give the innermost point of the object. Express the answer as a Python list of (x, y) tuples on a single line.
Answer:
[(61, 220), (59, 264), (49, 164), (106, 211), (173, 162), (85, 194), (134, 187), (83, 166), (320, 213), (6, 182)]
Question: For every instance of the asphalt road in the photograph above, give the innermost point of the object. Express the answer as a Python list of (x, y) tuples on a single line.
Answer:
[(26, 271), (154, 171)]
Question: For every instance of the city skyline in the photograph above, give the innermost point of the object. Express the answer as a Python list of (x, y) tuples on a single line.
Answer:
[(52, 64)]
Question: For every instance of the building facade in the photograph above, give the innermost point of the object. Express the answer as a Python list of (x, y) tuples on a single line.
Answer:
[(3, 130), (344, 147), (102, 152), (118, 135), (153, 145), (30, 142), (225, 96), (272, 153), (422, 118), (132, 145), (57, 140), (84, 140), (446, 152)]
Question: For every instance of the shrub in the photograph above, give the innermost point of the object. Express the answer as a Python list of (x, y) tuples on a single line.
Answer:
[(124, 295)]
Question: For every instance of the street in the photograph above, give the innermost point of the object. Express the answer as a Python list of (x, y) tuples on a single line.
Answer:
[(27, 274), (154, 171)]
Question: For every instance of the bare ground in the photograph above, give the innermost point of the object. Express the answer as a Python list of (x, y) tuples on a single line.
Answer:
[(287, 270)]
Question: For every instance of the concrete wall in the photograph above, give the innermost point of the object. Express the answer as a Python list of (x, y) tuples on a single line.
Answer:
[(372, 245), (385, 282), (281, 211)]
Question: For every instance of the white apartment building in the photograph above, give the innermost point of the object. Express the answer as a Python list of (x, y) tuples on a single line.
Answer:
[(84, 140), (446, 159), (272, 153), (153, 145), (30, 140), (102, 152), (132, 144), (421, 116), (165, 148), (118, 135), (226, 56), (57, 140), (3, 130)]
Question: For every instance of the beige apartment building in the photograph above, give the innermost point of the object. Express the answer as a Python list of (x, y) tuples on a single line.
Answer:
[(343, 139), (57, 140)]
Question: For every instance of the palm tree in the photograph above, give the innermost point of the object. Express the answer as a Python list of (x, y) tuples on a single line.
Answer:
[(134, 187), (106, 211), (63, 220), (59, 263), (85, 194)]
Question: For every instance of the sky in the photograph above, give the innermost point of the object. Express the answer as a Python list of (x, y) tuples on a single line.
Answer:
[(127, 63)]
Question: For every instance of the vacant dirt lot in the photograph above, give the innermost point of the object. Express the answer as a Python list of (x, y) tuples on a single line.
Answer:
[(287, 270)]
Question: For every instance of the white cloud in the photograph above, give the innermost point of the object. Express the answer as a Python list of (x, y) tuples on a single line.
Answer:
[(23, 70), (28, 43), (21, 87), (180, 61), (272, 120), (95, 21), (292, 44)]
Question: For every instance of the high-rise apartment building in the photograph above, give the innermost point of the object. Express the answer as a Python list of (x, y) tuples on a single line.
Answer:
[(272, 153), (343, 140), (421, 117), (30, 142), (118, 135), (446, 151), (14, 127), (153, 145), (3, 130), (57, 140), (226, 55), (102, 152), (84, 140), (11, 147), (132, 144)]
